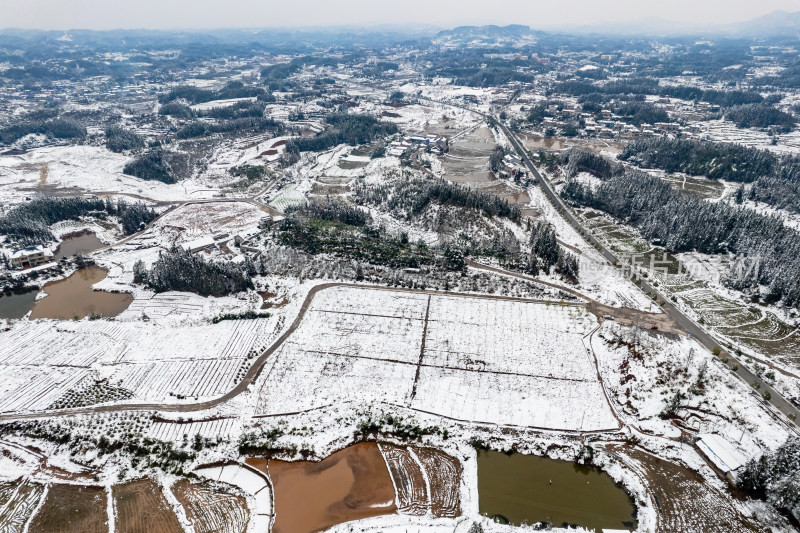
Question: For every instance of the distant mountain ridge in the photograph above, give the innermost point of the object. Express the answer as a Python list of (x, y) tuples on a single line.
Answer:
[(775, 23), (513, 34)]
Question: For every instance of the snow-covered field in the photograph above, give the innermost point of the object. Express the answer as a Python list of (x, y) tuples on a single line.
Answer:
[(89, 169), (442, 355), (42, 360)]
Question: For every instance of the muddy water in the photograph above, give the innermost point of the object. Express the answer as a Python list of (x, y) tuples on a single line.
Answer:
[(351, 484), (74, 298), (518, 198), (547, 143), (78, 244), (524, 488), (16, 305)]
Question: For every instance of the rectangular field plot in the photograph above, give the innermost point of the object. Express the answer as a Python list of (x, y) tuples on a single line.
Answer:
[(510, 399), (300, 381), (504, 336), (372, 302), (484, 360)]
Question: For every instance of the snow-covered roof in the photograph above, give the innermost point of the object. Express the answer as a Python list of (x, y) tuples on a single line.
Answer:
[(722, 453), (198, 244), (29, 251)]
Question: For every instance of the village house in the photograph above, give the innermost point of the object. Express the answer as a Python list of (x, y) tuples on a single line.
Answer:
[(31, 256)]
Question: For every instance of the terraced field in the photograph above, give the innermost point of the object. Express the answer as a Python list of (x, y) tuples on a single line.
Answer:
[(210, 508), (687, 503), (18, 500), (761, 331), (408, 479), (444, 476)]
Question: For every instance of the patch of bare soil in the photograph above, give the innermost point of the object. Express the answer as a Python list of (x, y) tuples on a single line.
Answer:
[(687, 503), (634, 317), (72, 509), (444, 478), (412, 495), (142, 508), (210, 508)]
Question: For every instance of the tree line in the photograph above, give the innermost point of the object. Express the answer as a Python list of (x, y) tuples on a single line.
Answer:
[(28, 224), (682, 223), (249, 123), (180, 270), (152, 166), (408, 198), (352, 129), (196, 95), (760, 116), (119, 139), (775, 178), (546, 253), (774, 477), (59, 128)]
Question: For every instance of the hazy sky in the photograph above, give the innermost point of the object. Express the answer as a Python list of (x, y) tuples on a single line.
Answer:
[(170, 14)]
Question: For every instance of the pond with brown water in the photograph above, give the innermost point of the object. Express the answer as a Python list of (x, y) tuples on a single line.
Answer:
[(79, 243), (350, 484), (522, 489), (73, 297)]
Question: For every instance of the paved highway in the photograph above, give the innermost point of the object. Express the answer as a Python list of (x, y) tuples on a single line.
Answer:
[(683, 321)]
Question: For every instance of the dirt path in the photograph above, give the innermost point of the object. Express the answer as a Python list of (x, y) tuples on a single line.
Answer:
[(623, 315), (255, 369)]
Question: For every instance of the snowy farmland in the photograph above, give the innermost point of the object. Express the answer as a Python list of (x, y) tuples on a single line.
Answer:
[(441, 355), (42, 361)]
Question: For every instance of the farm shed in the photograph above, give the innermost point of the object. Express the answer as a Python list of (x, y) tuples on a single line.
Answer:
[(724, 455)]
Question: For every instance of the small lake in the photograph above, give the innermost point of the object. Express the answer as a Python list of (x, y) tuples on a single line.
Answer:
[(78, 244), (14, 306), (73, 297), (527, 489), (350, 484)]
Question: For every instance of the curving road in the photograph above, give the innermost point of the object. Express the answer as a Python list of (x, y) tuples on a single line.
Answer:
[(255, 368)]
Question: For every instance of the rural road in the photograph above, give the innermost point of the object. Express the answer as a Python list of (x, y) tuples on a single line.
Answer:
[(790, 412), (683, 321), (255, 368)]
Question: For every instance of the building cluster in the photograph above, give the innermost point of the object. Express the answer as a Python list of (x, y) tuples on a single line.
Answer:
[(607, 124), (513, 168), (433, 143)]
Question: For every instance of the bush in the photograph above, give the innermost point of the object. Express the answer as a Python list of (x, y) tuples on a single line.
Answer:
[(176, 109)]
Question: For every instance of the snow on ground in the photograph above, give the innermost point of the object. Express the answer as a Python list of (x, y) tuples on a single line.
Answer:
[(726, 131), (352, 338), (660, 367), (42, 360), (192, 221), (205, 106), (253, 484), (91, 169), (598, 278)]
